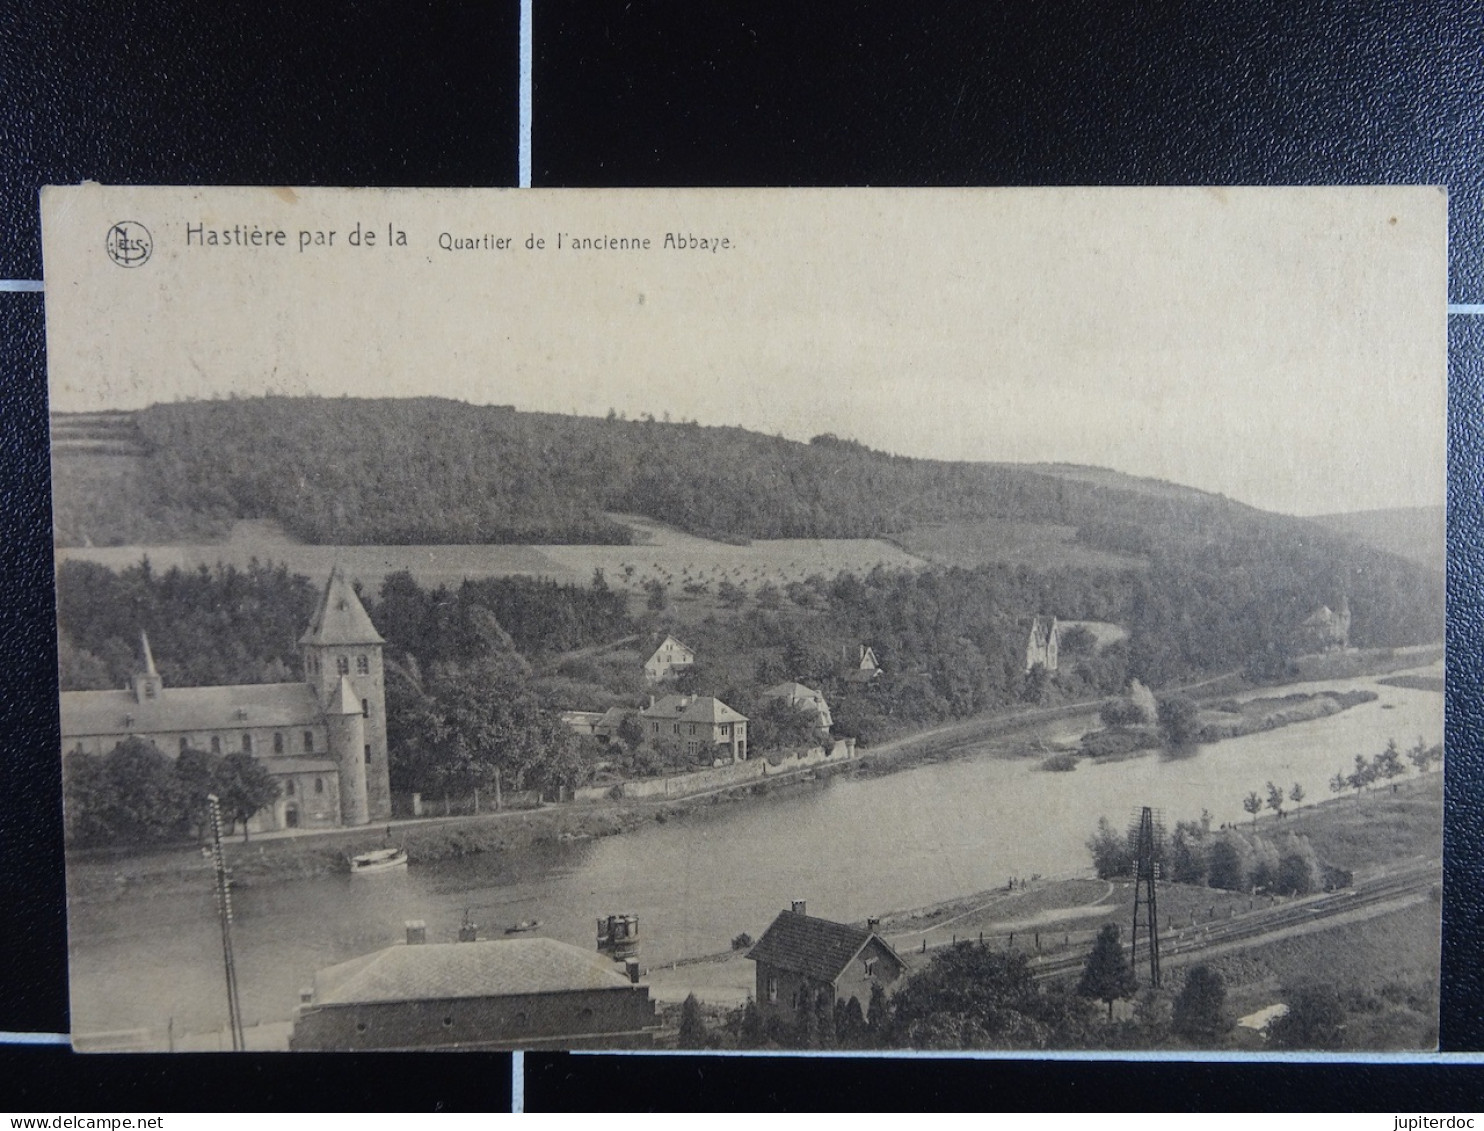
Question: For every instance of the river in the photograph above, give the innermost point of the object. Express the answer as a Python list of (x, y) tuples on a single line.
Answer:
[(850, 846)]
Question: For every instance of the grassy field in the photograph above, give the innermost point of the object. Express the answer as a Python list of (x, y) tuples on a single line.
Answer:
[(663, 554), (1036, 545)]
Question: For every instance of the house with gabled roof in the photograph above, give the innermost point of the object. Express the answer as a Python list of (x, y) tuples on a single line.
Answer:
[(866, 667), (801, 957), (702, 722), (802, 698), (667, 660)]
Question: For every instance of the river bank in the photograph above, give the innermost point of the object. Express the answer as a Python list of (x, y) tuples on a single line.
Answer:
[(102, 875)]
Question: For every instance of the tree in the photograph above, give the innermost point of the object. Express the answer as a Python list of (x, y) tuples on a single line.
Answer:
[(1229, 863), (1339, 783), (1200, 1009), (1107, 975), (1179, 722), (1188, 863), (1079, 640), (198, 775), (1315, 1020), (970, 996), (692, 1029), (850, 1024), (1362, 776), (1111, 854), (1296, 795), (1253, 804), (1276, 798), (244, 786), (750, 1027), (1388, 763), (659, 596), (142, 800), (1420, 756)]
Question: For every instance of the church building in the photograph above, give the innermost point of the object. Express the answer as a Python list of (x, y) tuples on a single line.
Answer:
[(323, 739)]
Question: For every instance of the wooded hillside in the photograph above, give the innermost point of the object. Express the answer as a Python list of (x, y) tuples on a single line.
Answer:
[(350, 472)]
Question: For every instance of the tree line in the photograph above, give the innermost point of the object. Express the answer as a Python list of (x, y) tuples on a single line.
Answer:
[(136, 795)]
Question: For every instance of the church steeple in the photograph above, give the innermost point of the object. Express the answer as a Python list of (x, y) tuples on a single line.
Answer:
[(342, 663), (147, 684)]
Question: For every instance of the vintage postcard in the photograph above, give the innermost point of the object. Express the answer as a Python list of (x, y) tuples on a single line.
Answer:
[(774, 619)]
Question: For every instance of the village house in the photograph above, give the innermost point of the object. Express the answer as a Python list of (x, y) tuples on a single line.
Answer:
[(703, 723), (865, 668), (322, 739), (802, 698), (602, 725), (800, 956), (667, 660), (1326, 629), (1044, 645), (518, 993)]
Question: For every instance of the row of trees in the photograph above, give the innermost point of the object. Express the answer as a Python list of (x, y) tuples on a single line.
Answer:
[(1227, 859), (135, 795), (1386, 766)]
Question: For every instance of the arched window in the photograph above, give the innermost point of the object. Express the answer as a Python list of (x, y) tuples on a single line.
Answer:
[(185, 744), (278, 742), (216, 744), (309, 742), (319, 785), (247, 744), (365, 708), (289, 787), (368, 753)]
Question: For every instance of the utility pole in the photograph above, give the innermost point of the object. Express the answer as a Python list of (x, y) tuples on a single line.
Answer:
[(1146, 874), (224, 912)]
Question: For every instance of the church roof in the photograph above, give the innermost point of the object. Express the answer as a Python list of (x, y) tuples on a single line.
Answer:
[(189, 709), (340, 617), (445, 971)]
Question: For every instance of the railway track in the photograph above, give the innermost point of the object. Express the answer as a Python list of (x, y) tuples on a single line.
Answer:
[(1413, 879)]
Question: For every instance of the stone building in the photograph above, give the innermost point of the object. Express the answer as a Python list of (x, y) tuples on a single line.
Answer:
[(528, 993), (1044, 645), (322, 739)]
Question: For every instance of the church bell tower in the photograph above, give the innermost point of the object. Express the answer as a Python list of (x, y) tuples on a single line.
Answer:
[(341, 644)]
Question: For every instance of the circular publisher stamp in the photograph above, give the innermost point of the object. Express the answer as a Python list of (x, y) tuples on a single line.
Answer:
[(129, 244)]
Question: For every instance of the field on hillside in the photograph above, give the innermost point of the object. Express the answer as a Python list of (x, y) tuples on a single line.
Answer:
[(1037, 545), (664, 554)]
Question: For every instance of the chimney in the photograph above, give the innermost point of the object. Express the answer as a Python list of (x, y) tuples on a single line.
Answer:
[(306, 996), (798, 907), (417, 932), (631, 968), (873, 924)]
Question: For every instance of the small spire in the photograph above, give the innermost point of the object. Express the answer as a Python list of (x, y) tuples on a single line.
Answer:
[(149, 659)]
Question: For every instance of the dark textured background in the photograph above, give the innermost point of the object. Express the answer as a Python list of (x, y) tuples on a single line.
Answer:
[(385, 93)]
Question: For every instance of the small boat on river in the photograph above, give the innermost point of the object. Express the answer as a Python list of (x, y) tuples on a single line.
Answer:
[(380, 860), (523, 926)]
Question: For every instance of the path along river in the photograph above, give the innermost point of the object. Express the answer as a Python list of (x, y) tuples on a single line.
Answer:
[(850, 846)]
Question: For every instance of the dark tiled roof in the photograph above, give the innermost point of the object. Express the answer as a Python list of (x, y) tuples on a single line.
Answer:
[(817, 948)]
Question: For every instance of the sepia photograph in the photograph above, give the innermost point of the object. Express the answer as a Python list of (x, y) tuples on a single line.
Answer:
[(776, 619)]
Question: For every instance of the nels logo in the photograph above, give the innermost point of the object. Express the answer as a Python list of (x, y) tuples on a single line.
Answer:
[(129, 244)]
